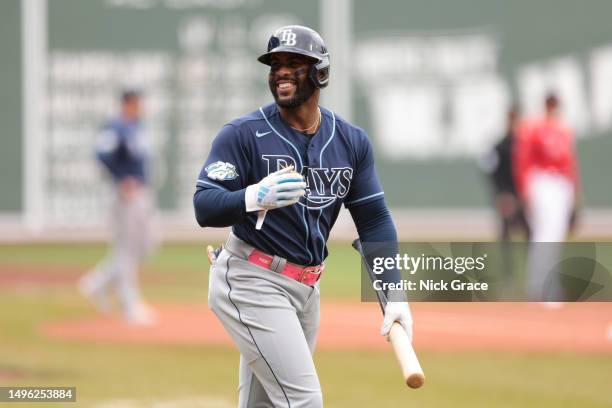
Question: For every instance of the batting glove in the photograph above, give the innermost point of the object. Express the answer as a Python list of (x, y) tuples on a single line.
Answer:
[(397, 312), (279, 189)]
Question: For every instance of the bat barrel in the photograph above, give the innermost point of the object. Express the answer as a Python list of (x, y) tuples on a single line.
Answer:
[(415, 380), (407, 358)]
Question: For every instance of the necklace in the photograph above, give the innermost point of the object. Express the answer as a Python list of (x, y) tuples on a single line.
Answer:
[(314, 125)]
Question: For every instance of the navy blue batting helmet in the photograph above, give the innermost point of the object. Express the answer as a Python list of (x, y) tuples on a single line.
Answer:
[(304, 41)]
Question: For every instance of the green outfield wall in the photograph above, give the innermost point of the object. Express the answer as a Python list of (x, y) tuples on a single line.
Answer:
[(11, 178), (430, 82)]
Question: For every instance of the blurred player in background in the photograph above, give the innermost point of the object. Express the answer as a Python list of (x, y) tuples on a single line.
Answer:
[(121, 148), (498, 165), (546, 172)]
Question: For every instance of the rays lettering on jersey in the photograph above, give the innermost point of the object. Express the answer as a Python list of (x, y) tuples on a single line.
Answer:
[(323, 184)]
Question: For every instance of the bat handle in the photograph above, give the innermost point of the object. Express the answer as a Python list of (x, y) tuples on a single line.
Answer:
[(261, 216), (409, 363)]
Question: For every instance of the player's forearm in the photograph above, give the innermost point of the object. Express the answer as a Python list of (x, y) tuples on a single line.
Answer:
[(218, 208), (377, 230), (373, 221)]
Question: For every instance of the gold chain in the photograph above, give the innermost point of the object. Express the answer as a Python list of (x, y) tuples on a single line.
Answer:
[(314, 124)]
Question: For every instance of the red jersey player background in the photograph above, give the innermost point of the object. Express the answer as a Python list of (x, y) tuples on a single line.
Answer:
[(546, 172)]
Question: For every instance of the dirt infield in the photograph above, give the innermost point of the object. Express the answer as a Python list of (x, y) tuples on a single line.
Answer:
[(522, 327), (26, 276), (9, 374)]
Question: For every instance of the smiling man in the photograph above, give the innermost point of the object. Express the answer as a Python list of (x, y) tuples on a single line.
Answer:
[(299, 163)]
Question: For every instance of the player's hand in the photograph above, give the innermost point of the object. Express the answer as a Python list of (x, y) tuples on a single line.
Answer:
[(279, 189), (397, 312)]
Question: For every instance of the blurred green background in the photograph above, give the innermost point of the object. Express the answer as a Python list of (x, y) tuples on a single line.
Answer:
[(463, 61)]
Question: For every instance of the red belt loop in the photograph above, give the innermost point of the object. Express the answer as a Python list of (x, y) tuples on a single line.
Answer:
[(308, 275)]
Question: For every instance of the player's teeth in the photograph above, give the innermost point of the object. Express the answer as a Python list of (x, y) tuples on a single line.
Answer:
[(285, 85)]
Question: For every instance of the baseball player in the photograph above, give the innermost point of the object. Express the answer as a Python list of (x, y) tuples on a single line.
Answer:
[(122, 150), (498, 165), (287, 168), (546, 173)]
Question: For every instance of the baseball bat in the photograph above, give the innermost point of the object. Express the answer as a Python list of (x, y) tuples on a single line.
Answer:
[(412, 372), (406, 357), (261, 216)]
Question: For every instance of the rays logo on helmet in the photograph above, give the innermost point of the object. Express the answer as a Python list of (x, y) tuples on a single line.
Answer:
[(288, 37), (221, 171)]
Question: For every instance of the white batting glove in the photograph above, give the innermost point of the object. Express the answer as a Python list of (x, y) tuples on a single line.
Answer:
[(279, 189), (397, 312)]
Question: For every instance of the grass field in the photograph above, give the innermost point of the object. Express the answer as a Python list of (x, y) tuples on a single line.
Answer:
[(201, 376)]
